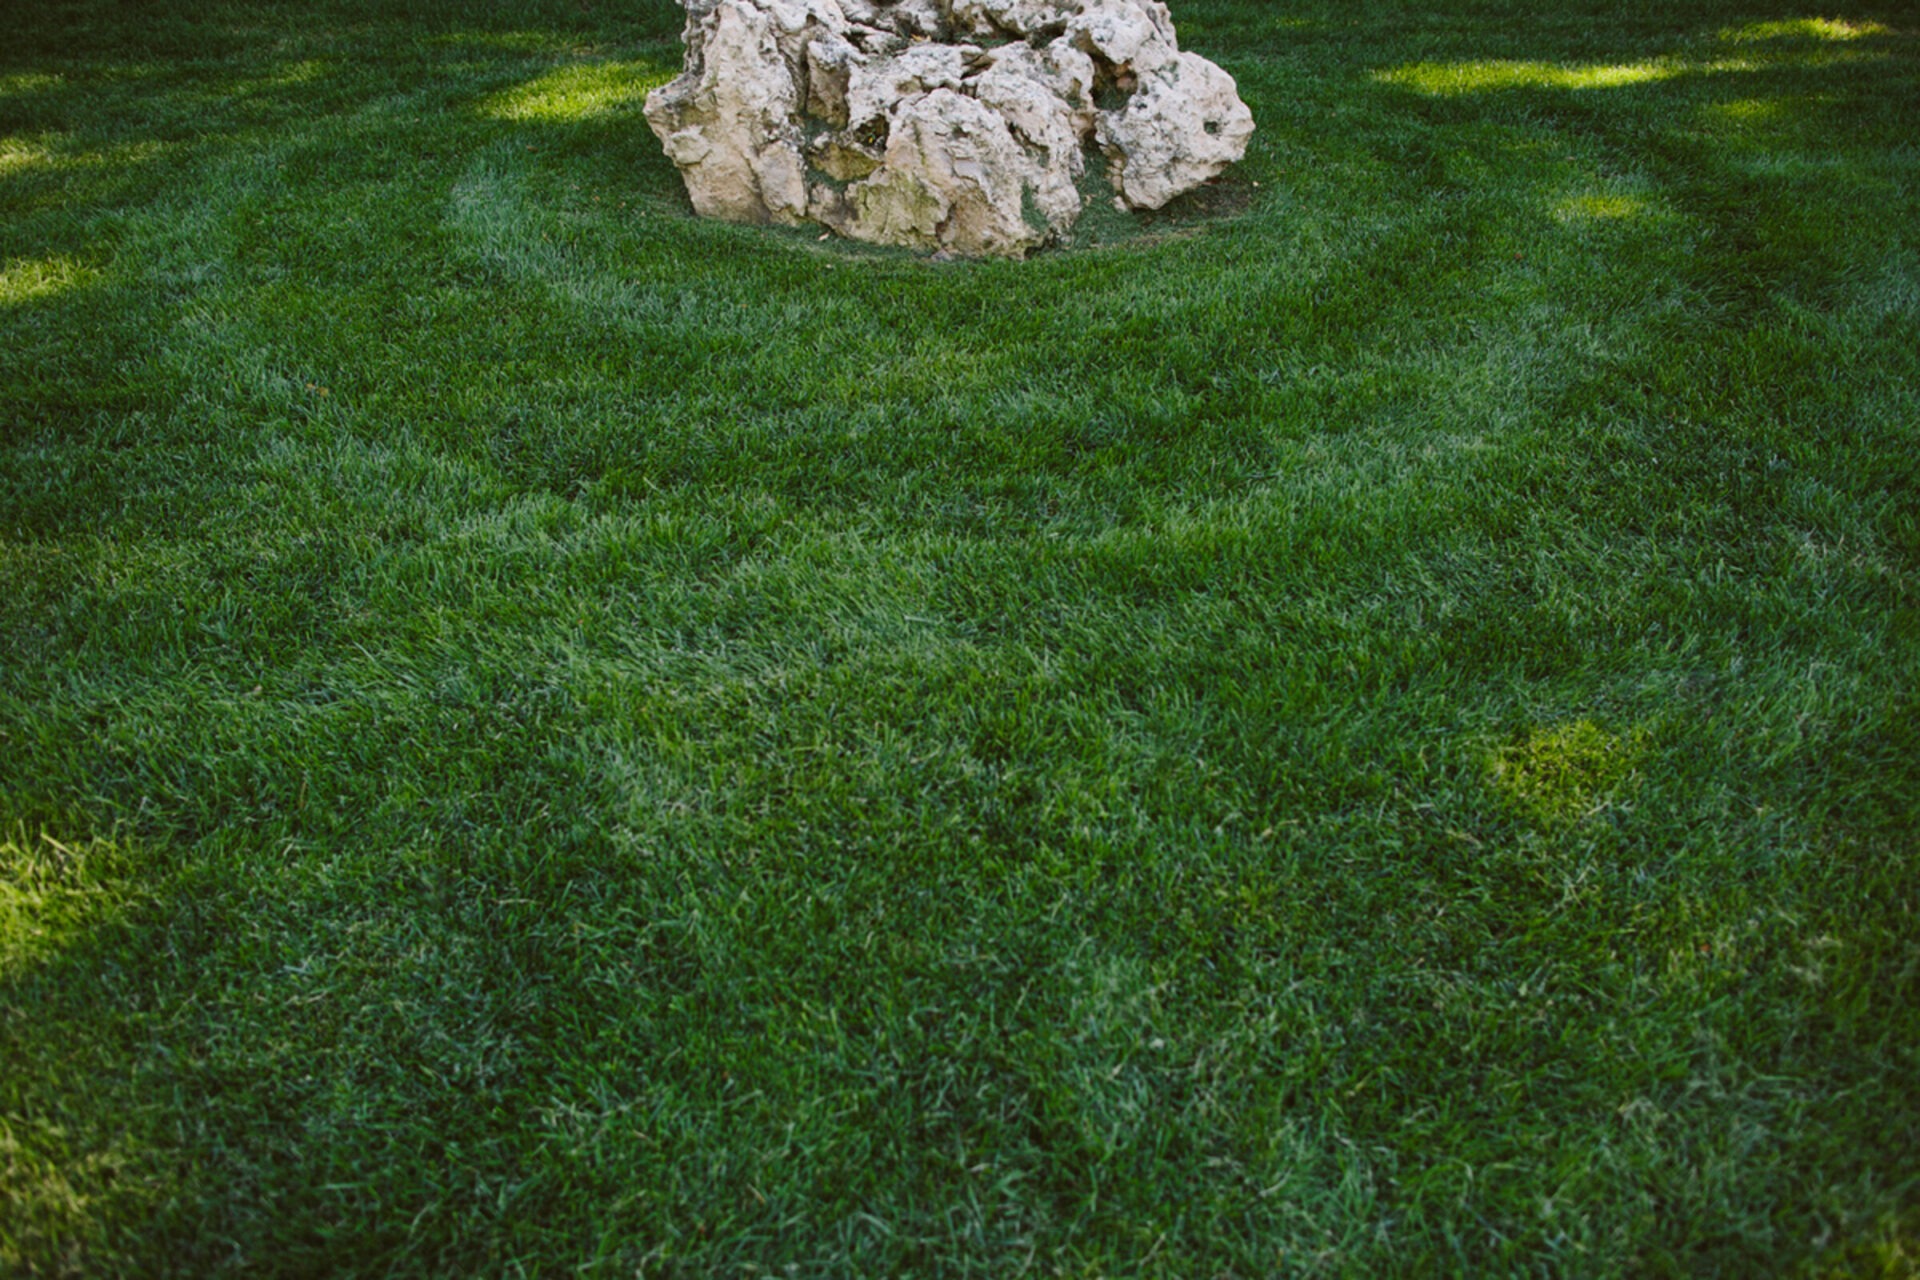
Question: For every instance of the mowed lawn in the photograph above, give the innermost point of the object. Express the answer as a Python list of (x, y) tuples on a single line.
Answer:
[(1365, 725)]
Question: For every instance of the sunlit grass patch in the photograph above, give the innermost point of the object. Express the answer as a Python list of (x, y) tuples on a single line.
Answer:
[(51, 889), (41, 157), (51, 1192), (1612, 202), (128, 72), (1802, 29), (1442, 79), (17, 154), (27, 82), (30, 279), (1888, 1250), (1748, 112), (502, 41), (1559, 774), (59, 1175), (1598, 208), (305, 71), (1454, 79), (583, 91)]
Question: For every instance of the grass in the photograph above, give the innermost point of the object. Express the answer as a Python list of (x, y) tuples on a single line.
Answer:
[(1366, 726)]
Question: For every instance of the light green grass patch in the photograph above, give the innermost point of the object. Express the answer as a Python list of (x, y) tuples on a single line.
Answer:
[(58, 152), (1752, 113), (1598, 208), (25, 280), (52, 890), (1828, 29), (23, 82), (1457, 79), (18, 153), (1454, 78), (304, 71), (584, 91), (1564, 773)]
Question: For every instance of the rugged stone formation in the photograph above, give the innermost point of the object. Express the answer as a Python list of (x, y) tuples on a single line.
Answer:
[(956, 125)]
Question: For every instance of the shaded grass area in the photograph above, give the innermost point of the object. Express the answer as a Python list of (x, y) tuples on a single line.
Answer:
[(1367, 725)]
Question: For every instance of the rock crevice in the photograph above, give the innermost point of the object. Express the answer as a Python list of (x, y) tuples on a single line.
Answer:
[(955, 125)]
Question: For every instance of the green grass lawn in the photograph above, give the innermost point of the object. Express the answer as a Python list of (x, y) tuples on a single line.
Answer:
[(1366, 725)]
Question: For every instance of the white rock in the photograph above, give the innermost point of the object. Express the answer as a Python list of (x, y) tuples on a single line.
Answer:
[(954, 125), (1045, 126), (1131, 35), (1017, 17), (953, 177), (924, 18), (1184, 124), (880, 84), (831, 60), (734, 122), (1063, 70)]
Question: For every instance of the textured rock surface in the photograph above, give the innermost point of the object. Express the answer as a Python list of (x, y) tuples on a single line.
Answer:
[(961, 125)]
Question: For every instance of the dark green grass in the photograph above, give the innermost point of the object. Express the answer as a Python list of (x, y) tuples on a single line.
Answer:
[(1365, 726)]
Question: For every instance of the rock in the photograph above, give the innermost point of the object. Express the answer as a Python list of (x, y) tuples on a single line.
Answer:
[(735, 121), (1134, 37), (1184, 124), (956, 126)]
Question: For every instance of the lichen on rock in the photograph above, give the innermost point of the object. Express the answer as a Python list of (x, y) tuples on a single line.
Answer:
[(952, 125)]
